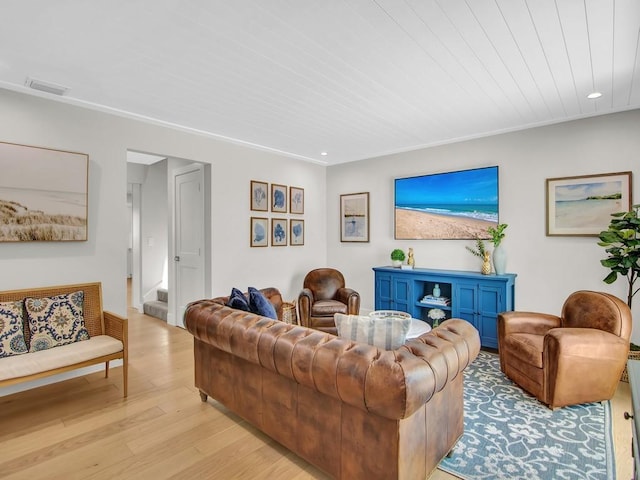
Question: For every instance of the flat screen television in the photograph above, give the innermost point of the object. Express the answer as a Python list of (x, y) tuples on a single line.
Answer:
[(450, 205)]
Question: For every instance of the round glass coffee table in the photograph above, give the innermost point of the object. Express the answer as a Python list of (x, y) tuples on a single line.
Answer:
[(418, 327)]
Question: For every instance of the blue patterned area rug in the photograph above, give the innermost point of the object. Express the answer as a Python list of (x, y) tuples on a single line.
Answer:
[(508, 434)]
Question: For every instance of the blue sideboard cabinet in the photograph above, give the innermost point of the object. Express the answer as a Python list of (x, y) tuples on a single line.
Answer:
[(471, 296)]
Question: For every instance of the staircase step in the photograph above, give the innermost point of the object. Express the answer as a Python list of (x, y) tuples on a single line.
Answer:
[(156, 308), (163, 294)]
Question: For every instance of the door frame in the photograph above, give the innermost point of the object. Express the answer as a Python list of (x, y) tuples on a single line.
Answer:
[(205, 175)]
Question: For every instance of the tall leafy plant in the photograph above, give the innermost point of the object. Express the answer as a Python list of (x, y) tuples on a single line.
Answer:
[(622, 243)]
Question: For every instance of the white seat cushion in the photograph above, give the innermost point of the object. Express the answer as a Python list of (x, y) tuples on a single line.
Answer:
[(62, 356)]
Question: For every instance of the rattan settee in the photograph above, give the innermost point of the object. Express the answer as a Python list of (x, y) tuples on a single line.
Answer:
[(107, 331)]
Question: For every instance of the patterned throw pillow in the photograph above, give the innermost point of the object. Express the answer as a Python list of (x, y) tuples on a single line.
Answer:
[(55, 321), (384, 333), (11, 334)]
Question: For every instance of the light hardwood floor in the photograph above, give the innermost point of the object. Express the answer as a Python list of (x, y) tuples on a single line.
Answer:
[(83, 428)]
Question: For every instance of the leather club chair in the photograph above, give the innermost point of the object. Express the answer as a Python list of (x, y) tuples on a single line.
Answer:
[(323, 295), (575, 358)]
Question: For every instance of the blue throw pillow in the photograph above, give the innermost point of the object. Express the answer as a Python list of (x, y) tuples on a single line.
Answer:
[(259, 304), (238, 301)]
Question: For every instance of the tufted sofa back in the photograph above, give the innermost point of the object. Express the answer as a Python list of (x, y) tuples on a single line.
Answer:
[(392, 384)]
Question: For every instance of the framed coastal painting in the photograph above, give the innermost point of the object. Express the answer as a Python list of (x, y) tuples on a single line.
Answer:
[(296, 200), (43, 194), (278, 232), (296, 234), (259, 232), (278, 198), (583, 205), (259, 196), (354, 217), (457, 205)]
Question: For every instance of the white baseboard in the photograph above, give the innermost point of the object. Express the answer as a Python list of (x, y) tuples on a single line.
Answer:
[(21, 387)]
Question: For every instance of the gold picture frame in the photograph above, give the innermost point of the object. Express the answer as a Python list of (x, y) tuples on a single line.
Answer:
[(296, 200), (43, 194), (259, 196), (582, 205), (296, 232), (279, 232), (278, 198), (354, 217), (259, 232)]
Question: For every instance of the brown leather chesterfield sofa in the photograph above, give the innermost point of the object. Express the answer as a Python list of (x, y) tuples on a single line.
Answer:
[(577, 357), (352, 410)]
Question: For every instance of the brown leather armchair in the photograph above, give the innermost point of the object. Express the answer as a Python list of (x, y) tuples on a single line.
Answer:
[(323, 295), (567, 360)]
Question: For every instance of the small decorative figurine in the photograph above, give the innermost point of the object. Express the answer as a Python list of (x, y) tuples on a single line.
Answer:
[(410, 260)]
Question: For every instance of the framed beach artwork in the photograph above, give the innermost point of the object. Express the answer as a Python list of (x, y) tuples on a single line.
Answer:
[(296, 234), (278, 232), (296, 200), (259, 196), (458, 205), (354, 217), (583, 205), (278, 198), (43, 194), (259, 233)]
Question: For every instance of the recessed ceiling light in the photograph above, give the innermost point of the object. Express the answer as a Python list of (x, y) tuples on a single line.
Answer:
[(594, 95), (324, 154)]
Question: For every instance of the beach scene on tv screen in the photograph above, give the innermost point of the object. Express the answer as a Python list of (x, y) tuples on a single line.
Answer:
[(450, 205)]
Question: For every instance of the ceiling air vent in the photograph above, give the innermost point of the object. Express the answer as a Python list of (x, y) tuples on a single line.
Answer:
[(46, 86)]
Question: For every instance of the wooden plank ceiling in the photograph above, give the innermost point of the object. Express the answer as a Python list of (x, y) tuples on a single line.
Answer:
[(354, 78)]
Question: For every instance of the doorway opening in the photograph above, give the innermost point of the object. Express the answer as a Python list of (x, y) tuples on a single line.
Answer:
[(159, 286)]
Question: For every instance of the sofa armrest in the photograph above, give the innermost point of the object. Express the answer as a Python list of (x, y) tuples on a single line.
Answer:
[(526, 322), (582, 360), (116, 326), (351, 298), (562, 343), (305, 300)]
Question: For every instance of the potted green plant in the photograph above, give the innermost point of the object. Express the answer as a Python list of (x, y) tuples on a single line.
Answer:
[(622, 242), (499, 255), (397, 257), (481, 251), (497, 233)]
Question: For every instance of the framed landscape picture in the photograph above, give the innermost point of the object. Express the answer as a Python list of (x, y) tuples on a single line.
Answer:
[(354, 217), (43, 194), (278, 232), (259, 196), (259, 234), (583, 205), (296, 235)]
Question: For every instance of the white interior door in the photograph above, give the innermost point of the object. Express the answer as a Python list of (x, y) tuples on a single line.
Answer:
[(189, 238)]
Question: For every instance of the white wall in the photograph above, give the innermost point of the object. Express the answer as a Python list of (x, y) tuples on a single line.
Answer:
[(154, 229), (31, 120), (548, 268)]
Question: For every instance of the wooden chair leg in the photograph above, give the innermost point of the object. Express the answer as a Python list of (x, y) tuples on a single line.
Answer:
[(106, 369), (125, 375)]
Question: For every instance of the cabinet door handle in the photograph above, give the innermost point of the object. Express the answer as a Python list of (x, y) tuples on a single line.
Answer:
[(627, 416)]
